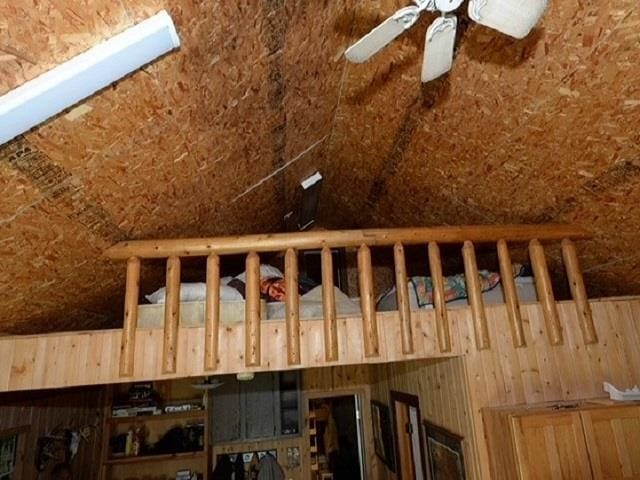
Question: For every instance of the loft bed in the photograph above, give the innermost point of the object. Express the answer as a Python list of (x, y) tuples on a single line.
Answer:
[(218, 336)]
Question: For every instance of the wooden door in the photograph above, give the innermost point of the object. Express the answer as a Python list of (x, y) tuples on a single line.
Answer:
[(403, 436), (550, 445), (613, 440)]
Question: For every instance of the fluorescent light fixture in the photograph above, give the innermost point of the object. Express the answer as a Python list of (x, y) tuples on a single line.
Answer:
[(513, 17), (65, 85)]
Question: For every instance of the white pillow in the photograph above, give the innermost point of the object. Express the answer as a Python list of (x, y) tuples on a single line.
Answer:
[(266, 271), (195, 292)]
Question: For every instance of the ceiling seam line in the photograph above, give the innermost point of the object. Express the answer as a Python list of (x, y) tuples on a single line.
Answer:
[(279, 169)]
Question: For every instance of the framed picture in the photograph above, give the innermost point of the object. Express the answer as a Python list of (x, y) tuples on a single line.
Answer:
[(444, 453), (383, 434), (12, 443)]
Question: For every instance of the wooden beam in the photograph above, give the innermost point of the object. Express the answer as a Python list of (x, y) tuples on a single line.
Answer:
[(340, 238), (131, 294), (212, 313), (579, 292), (545, 292), (292, 306), (252, 310), (474, 294), (329, 307), (442, 321), (510, 295), (171, 315), (368, 303), (402, 296)]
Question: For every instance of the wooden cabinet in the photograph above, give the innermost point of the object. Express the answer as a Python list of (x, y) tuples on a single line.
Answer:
[(578, 441), (613, 440), (266, 407)]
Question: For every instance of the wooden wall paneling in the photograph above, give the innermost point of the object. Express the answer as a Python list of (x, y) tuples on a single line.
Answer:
[(567, 372)]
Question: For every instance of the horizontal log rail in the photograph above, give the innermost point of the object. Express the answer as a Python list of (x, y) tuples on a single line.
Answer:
[(201, 247), (370, 344)]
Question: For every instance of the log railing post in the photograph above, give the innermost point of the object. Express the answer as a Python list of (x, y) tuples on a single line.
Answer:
[(578, 292), (292, 307), (368, 303), (171, 315), (511, 295), (329, 307), (128, 343), (252, 310), (402, 296), (442, 322), (474, 295), (212, 313), (545, 292)]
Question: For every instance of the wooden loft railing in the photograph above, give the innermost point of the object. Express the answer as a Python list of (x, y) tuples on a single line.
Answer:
[(290, 243)]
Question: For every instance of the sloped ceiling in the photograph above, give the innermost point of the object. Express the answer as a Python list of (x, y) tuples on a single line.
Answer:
[(214, 138)]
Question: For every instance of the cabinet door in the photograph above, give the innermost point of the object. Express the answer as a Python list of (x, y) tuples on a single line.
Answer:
[(260, 406), (226, 413), (550, 446), (613, 440)]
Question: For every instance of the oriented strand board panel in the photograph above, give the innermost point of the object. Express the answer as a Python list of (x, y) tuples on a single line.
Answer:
[(210, 139), (213, 139)]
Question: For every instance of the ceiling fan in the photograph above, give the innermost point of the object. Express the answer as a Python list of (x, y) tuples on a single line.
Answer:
[(512, 17)]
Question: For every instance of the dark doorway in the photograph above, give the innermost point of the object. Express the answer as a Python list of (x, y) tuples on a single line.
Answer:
[(335, 436)]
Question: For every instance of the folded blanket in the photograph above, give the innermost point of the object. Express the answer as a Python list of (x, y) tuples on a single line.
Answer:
[(454, 286)]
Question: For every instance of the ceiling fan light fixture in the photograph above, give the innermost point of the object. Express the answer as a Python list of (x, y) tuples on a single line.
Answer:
[(515, 18)]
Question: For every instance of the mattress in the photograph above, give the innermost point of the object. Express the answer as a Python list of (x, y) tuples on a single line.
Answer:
[(525, 287), (192, 313)]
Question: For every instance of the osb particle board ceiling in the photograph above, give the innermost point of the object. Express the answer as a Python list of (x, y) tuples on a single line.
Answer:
[(214, 138)]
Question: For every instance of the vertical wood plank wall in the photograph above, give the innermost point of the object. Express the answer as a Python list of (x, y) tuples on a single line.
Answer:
[(444, 398), (539, 372), (44, 411)]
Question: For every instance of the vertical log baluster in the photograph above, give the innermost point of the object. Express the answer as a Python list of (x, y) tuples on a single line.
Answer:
[(442, 321), (511, 295), (578, 292), (292, 306), (171, 315), (368, 303), (402, 296), (128, 342), (545, 292), (329, 307), (474, 295), (212, 313), (252, 310)]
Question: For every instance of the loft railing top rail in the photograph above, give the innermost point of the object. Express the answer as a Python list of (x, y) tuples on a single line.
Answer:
[(200, 247)]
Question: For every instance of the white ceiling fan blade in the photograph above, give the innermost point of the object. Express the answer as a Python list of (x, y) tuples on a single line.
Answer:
[(512, 17), (438, 47), (382, 35)]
